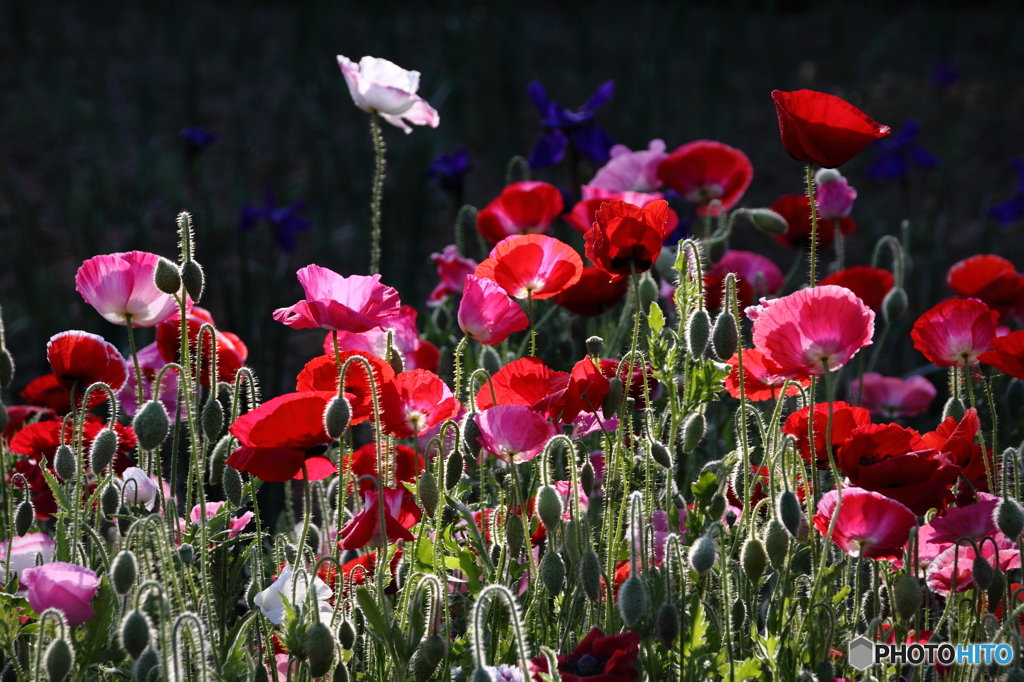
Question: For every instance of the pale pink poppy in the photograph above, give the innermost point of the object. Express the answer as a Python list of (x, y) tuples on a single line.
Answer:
[(939, 576), (66, 587), (869, 524), (893, 397), (24, 550), (383, 87), (452, 270), (834, 195), (487, 314), (416, 353), (629, 171), (514, 433), (139, 488), (802, 331), (236, 524), (119, 285), (352, 304)]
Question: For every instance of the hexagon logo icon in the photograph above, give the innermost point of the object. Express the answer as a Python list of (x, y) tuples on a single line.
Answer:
[(861, 653)]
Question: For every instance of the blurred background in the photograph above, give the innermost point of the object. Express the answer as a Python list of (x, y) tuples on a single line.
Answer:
[(116, 116)]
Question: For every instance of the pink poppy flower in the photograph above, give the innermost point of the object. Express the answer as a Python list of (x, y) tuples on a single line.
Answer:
[(151, 361), (834, 195), (351, 304), (659, 523), (971, 521), (893, 397), (629, 171), (66, 587), (532, 265), (121, 284), (803, 330), (940, 578), (236, 524), (514, 433), (487, 314), (521, 208), (869, 524), (757, 276), (24, 550), (382, 87), (139, 488), (704, 170), (400, 514), (415, 401), (452, 270), (416, 353), (955, 332)]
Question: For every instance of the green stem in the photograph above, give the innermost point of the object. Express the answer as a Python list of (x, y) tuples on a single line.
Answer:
[(458, 366), (135, 360), (814, 226), (378, 192), (533, 328), (969, 383)]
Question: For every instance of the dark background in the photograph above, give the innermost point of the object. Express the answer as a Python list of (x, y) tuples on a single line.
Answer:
[(94, 96)]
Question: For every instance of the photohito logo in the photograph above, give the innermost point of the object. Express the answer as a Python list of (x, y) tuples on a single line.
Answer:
[(862, 653)]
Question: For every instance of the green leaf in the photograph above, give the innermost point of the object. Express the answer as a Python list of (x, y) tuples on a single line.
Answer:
[(698, 630), (840, 596), (745, 670), (656, 319), (377, 624), (97, 629), (58, 490), (705, 487)]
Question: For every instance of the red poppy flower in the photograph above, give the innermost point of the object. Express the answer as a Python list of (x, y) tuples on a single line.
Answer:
[(20, 416), (359, 571), (84, 358), (627, 239), (231, 352), (521, 208), (845, 418), (363, 462), (597, 658), (704, 170), (1008, 354), (868, 283), (761, 380), (595, 293), (40, 441), (636, 381), (525, 382), (756, 275), (415, 401), (400, 514), (823, 129), (582, 216), (991, 279), (585, 392), (46, 391), (895, 461), (532, 265), (281, 435), (796, 210), (955, 332), (956, 439), (869, 524), (321, 374)]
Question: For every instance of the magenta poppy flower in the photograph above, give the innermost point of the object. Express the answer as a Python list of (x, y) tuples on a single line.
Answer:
[(704, 170), (803, 330), (414, 401), (834, 196), (971, 521), (452, 270), (400, 514), (119, 285), (236, 524), (756, 275), (351, 304), (487, 314), (416, 353), (869, 524), (940, 577), (629, 171), (66, 587), (955, 332), (514, 433), (521, 208), (383, 87), (893, 397)]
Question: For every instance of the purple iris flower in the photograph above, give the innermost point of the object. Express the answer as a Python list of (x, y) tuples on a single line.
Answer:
[(896, 152), (448, 171), (563, 127), (285, 220), (1011, 209), (945, 74), (196, 139)]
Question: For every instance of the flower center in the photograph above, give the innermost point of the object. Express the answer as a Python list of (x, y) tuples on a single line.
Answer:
[(588, 666)]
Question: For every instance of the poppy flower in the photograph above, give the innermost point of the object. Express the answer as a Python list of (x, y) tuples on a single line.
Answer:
[(940, 578), (957, 439), (629, 171), (415, 401), (955, 332), (796, 210), (231, 351), (868, 283), (562, 127), (597, 658), (487, 314), (47, 391), (833, 194), (609, 366), (585, 392), (20, 416), (351, 304), (119, 285), (595, 293), (23, 551), (805, 330), (970, 521), (704, 170), (452, 270), (626, 239), (525, 382), (514, 433), (532, 265), (40, 441), (1007, 354), (362, 462), (360, 570), (583, 214), (400, 514), (895, 461), (757, 276), (281, 435), (416, 353), (992, 280), (823, 129), (869, 524), (521, 208), (383, 87), (321, 374), (893, 397), (845, 418), (84, 358), (760, 378), (66, 587), (235, 524)]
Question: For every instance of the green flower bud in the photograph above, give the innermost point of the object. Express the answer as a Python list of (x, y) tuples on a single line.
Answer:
[(341, 673), (429, 494), (422, 671), (396, 361), (738, 614), (995, 590), (470, 435), (123, 571), (789, 511), (954, 408), (213, 419), (754, 559), (490, 360), (595, 344), (725, 336), (166, 277), (632, 600), (219, 457), (515, 535), (767, 220), (6, 368), (318, 644), (825, 671), (102, 451), (666, 625), (151, 425), (694, 428), (660, 454), (134, 633), (982, 573), (260, 674), (907, 595), (574, 541), (590, 575), (109, 501), (613, 399), (587, 478), (59, 659), (4, 417), (347, 635), (481, 675), (434, 649), (776, 543), (186, 553), (23, 517), (648, 291), (698, 332), (232, 485), (337, 416), (894, 305), (124, 520), (193, 279), (146, 668), (549, 507), (703, 554), (453, 469), (1009, 518), (64, 463), (552, 572)]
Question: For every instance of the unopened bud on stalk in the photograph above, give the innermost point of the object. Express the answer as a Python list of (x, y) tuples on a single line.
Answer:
[(552, 572), (982, 573), (595, 344), (632, 600), (754, 559), (396, 361), (151, 425), (694, 427), (134, 633), (23, 517), (660, 454), (232, 485), (453, 469), (515, 535), (725, 336), (954, 408), (337, 416), (587, 478), (574, 543), (346, 635), (6, 368), (124, 521), (470, 437), (186, 553), (109, 501), (219, 457), (995, 590), (481, 675), (703, 554), (146, 666), (193, 279), (738, 614), (666, 624), (212, 419), (648, 291), (549, 507), (1009, 518), (102, 451), (590, 575), (166, 277), (613, 399), (123, 571), (4, 418), (717, 507), (894, 305), (429, 494), (698, 332), (789, 512), (64, 463), (767, 220), (341, 673), (776, 543), (260, 674), (490, 360), (59, 660), (318, 644), (907, 596), (433, 649), (825, 671)]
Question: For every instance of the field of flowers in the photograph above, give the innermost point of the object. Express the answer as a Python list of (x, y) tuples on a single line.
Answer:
[(616, 449)]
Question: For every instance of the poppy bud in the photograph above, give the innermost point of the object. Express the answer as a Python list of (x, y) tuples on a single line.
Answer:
[(102, 451), (134, 633), (698, 331), (552, 572), (738, 614), (340, 673), (4, 417), (396, 361), (754, 559), (260, 674), (867, 606), (109, 501), (124, 521), (803, 530), (23, 517), (613, 399), (64, 463), (995, 590), (515, 535), (213, 419), (717, 507), (186, 553), (153, 605), (549, 507), (907, 596), (490, 360), (429, 494), (894, 305), (776, 543), (232, 486), (825, 671), (595, 344), (151, 425), (59, 659), (146, 665), (789, 511), (648, 291), (666, 624), (318, 644), (954, 408), (193, 279), (481, 675), (573, 541), (703, 554), (337, 416), (166, 277), (123, 571), (219, 456), (632, 600), (982, 571), (660, 454), (433, 649), (587, 478), (453, 469), (590, 575), (6, 368), (694, 428), (422, 671), (724, 335), (470, 435), (346, 635), (1009, 518)]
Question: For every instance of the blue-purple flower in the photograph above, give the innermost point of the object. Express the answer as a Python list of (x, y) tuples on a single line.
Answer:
[(285, 220), (896, 152), (448, 171), (563, 127), (196, 139), (1012, 209)]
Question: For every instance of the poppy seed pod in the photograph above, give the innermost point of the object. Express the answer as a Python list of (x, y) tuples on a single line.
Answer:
[(429, 494), (212, 419), (694, 428), (552, 572), (515, 535), (738, 614), (6, 368), (23, 517), (186, 553), (167, 277), (724, 335), (894, 304), (549, 507), (907, 595), (60, 657), (595, 344), (789, 511), (337, 416), (232, 485), (666, 624), (193, 279), (134, 633), (341, 673), (698, 332), (1009, 518), (632, 600), (102, 451), (318, 644), (613, 399), (218, 457), (717, 507), (123, 571), (260, 674), (995, 590), (754, 559), (151, 425), (590, 575), (703, 554), (64, 463)]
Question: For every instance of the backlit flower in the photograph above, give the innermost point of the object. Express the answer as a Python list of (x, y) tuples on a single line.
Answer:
[(231, 351), (23, 552), (992, 280), (955, 332), (626, 239), (521, 208), (760, 378), (532, 266), (833, 194), (321, 374), (78, 357), (408, 465), (845, 418), (514, 433), (869, 284), (294, 586), (756, 276), (597, 658), (823, 129), (869, 525), (119, 285), (595, 293), (524, 382), (400, 514), (1007, 354), (704, 170), (629, 171), (382, 87), (940, 577), (584, 213), (487, 314), (353, 304), (66, 587), (452, 270), (415, 401), (416, 353), (893, 397)]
